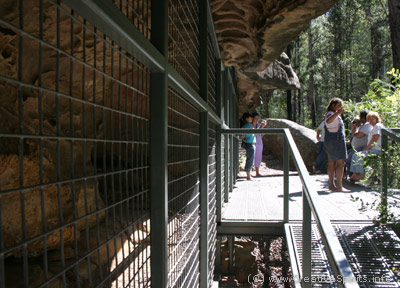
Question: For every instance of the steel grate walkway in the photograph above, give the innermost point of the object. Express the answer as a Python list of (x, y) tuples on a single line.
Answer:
[(373, 254)]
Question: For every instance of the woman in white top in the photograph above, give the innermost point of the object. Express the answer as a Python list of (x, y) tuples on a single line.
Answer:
[(335, 144), (373, 147)]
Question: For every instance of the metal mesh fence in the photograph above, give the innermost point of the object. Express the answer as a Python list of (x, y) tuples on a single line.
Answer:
[(212, 199), (138, 12), (212, 84), (183, 30), (74, 185), (223, 179), (183, 192)]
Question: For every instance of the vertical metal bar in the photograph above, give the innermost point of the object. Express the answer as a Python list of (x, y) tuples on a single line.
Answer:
[(286, 158), (159, 151), (218, 141), (306, 263), (218, 256), (231, 247), (226, 110), (384, 193), (2, 272), (204, 159)]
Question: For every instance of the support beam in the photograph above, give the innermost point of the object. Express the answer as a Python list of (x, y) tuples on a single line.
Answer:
[(204, 161), (306, 253), (159, 151), (286, 157), (218, 142)]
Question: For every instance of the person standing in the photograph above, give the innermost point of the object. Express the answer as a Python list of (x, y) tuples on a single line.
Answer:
[(319, 165), (360, 130), (259, 142), (335, 144), (249, 143), (373, 147)]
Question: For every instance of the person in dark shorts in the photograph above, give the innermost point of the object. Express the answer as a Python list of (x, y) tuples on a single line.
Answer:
[(335, 144)]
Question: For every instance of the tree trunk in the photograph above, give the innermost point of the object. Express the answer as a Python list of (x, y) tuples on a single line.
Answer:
[(289, 92), (267, 97), (311, 93), (394, 20), (289, 104), (295, 106)]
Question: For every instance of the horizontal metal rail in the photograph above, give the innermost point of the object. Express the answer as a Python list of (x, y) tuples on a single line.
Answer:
[(335, 253), (109, 19)]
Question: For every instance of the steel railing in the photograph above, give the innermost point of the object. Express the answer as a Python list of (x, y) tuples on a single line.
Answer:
[(336, 256), (386, 134)]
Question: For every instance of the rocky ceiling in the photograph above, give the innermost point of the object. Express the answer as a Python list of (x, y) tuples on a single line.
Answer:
[(253, 34)]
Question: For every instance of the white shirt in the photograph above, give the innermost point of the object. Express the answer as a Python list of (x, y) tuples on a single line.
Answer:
[(334, 125), (376, 130), (321, 127), (362, 141)]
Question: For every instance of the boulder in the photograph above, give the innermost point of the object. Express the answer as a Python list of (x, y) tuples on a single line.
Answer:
[(303, 136), (12, 218)]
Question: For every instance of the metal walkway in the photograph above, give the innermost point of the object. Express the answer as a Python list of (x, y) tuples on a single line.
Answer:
[(373, 254), (262, 200)]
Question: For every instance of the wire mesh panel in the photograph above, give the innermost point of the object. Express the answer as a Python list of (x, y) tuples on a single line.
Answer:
[(212, 199), (223, 139), (138, 12), (74, 153), (183, 192), (183, 31), (212, 71)]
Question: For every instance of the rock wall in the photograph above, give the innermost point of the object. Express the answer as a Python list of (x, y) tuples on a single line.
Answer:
[(74, 128), (253, 34), (304, 137)]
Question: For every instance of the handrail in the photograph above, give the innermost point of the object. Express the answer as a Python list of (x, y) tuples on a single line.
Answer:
[(386, 133), (341, 268)]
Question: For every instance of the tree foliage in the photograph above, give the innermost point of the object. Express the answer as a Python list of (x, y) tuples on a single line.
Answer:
[(350, 48)]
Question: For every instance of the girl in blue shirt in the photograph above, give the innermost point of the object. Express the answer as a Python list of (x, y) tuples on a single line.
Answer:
[(249, 143)]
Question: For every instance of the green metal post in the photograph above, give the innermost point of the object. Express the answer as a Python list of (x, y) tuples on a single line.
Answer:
[(231, 247), (384, 178), (231, 150), (306, 263), (286, 157), (159, 151), (226, 137), (204, 161), (218, 144)]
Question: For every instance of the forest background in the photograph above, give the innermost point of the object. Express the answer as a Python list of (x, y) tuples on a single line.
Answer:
[(339, 55)]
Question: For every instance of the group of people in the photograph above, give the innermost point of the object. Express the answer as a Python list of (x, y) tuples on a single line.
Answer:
[(253, 144), (365, 139)]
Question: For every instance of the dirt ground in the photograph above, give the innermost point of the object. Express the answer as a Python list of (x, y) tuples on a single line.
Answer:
[(273, 264)]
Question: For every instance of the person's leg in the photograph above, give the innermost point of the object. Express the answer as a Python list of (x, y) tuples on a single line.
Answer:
[(350, 154), (248, 165), (331, 174), (357, 165), (249, 159), (339, 176), (258, 158), (319, 162)]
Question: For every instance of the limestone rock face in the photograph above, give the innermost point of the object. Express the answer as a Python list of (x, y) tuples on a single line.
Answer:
[(304, 137), (253, 34)]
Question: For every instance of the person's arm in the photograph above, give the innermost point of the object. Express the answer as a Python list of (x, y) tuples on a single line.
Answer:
[(355, 133), (318, 133), (331, 118), (374, 139)]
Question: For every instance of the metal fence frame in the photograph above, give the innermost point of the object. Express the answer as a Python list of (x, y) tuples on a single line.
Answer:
[(149, 45), (336, 256)]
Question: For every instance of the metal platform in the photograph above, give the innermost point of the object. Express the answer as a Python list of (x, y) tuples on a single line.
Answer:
[(373, 253)]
